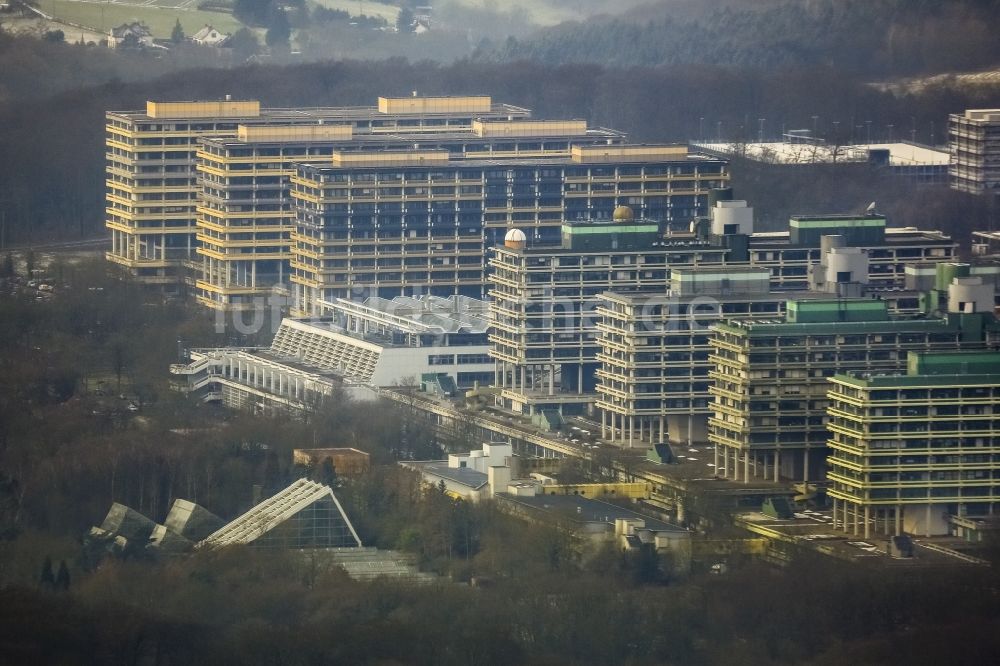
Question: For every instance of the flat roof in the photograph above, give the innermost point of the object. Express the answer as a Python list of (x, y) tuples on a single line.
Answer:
[(875, 380), (465, 476), (420, 314), (642, 294), (765, 327), (902, 153), (327, 112), (410, 137), (585, 510), (531, 161), (893, 236)]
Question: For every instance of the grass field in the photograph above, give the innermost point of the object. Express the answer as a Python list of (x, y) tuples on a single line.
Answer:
[(358, 7), (159, 17), (551, 12)]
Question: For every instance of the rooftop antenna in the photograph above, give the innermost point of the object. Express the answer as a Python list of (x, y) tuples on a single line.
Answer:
[(871, 209)]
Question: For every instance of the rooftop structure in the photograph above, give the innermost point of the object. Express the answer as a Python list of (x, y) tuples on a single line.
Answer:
[(473, 476), (126, 531), (924, 164), (974, 140), (916, 452), (303, 515)]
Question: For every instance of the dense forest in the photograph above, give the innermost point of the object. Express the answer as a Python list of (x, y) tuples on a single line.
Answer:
[(866, 37)]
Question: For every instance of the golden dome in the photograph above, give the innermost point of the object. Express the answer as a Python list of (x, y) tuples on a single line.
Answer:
[(623, 214)]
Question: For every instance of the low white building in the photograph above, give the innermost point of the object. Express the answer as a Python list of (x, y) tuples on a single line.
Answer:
[(376, 343), (209, 36), (472, 476), (130, 35)]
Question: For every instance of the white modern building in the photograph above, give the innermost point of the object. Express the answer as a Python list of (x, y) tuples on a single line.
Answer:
[(375, 343), (472, 476)]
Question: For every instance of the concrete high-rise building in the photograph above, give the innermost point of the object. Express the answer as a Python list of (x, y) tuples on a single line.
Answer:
[(405, 222), (545, 297), (916, 451), (974, 140), (653, 383), (246, 218), (152, 182), (770, 381), (618, 301)]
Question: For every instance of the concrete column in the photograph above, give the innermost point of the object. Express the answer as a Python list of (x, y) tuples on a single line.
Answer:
[(805, 466), (579, 378), (777, 464), (867, 529), (523, 377), (552, 378), (690, 429), (899, 519), (725, 461), (927, 521), (663, 428), (746, 467), (856, 512), (631, 430), (834, 513), (715, 459)]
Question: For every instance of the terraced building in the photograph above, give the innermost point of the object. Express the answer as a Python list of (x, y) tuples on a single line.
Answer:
[(916, 451), (246, 220), (153, 186), (770, 380), (393, 223)]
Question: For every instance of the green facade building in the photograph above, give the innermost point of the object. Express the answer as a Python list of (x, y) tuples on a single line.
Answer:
[(916, 452), (771, 377)]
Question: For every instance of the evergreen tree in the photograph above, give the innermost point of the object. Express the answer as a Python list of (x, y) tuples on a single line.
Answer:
[(404, 20), (47, 579), (244, 43), (278, 30), (62, 577), (328, 473), (177, 36)]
